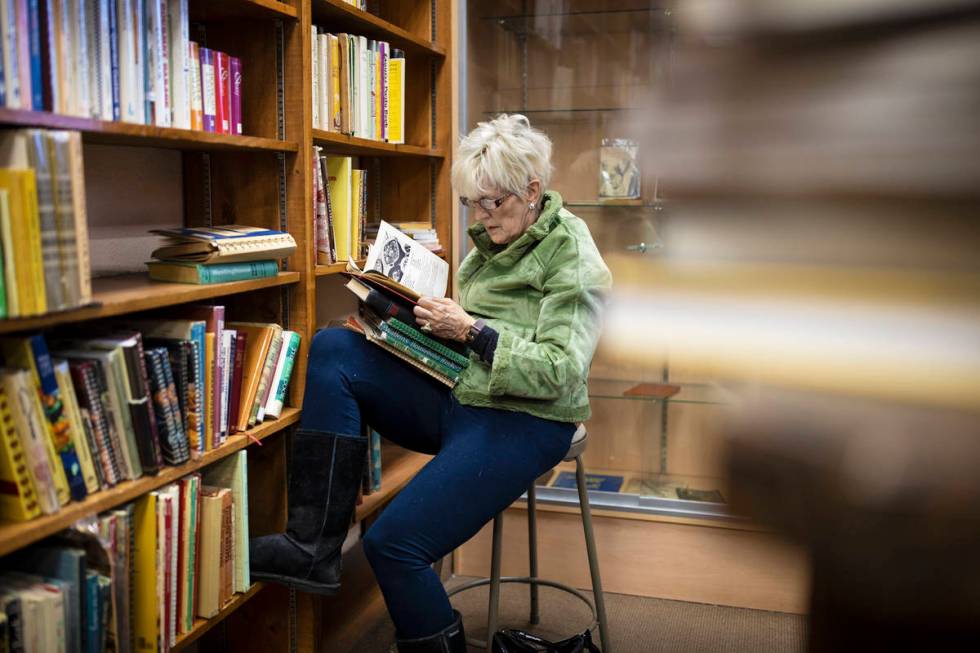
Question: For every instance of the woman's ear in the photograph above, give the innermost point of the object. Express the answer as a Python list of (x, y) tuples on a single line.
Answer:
[(534, 191)]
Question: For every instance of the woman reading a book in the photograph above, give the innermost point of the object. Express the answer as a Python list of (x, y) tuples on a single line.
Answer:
[(531, 291)]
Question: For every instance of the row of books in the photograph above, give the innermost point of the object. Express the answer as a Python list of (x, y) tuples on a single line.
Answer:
[(340, 207), (420, 232), (43, 225), (134, 578), (87, 413), (116, 60), (204, 255), (358, 86)]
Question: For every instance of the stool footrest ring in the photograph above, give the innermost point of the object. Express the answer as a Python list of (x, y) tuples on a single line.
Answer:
[(525, 580)]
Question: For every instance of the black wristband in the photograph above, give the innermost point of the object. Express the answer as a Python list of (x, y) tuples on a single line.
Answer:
[(485, 343)]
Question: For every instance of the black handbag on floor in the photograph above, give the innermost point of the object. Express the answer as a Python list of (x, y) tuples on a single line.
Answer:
[(518, 641)]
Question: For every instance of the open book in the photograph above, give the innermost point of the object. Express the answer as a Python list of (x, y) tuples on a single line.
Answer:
[(387, 318)]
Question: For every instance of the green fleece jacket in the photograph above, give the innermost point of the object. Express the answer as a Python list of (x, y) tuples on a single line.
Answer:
[(543, 293)]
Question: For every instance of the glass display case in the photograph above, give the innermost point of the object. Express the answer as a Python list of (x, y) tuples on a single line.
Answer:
[(586, 73)]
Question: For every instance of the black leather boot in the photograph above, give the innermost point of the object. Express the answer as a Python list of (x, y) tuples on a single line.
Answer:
[(451, 639), (324, 477)]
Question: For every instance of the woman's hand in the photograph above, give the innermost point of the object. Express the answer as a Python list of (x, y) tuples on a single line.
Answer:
[(444, 318)]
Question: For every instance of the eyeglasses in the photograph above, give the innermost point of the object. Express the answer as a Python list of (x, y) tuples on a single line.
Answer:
[(486, 203)]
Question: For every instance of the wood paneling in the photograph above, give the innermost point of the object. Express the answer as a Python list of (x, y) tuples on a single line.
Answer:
[(724, 566)]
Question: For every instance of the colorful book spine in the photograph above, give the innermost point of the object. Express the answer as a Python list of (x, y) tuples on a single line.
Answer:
[(413, 349), (375, 461), (59, 427), (204, 274), (234, 403), (222, 93), (18, 500), (235, 74), (197, 116), (267, 371), (78, 426), (424, 340), (28, 424), (388, 331), (87, 385), (208, 84), (396, 96), (278, 398), (115, 52)]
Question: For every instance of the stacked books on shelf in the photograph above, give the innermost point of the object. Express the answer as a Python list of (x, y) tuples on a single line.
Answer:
[(420, 232), (358, 86), (206, 255), (124, 61), (398, 273), (137, 577), (82, 414), (340, 207), (43, 225)]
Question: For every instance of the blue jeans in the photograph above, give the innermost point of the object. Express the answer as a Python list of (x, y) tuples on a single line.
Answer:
[(484, 459)]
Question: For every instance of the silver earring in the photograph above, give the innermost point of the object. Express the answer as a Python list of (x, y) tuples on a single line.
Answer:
[(531, 206)]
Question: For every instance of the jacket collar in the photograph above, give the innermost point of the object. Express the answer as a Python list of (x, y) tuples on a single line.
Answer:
[(510, 253)]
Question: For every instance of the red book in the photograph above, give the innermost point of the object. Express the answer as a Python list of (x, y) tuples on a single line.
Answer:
[(241, 340), (222, 91)]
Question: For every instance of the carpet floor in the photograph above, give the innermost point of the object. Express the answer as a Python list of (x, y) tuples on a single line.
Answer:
[(636, 624)]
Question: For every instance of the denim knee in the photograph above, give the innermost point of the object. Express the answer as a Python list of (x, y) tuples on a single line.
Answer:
[(329, 346), (385, 548)]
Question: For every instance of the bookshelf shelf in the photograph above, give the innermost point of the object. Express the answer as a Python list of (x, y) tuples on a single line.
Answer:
[(129, 293), (124, 133), (16, 535), (334, 268), (342, 16), (232, 9), (349, 145), (202, 626), (398, 467)]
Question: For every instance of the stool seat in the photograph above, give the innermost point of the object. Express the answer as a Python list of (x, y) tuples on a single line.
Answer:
[(577, 447), (596, 605)]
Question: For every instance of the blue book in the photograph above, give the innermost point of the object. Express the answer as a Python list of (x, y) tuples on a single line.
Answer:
[(93, 613), (54, 410), (600, 482), (34, 39), (114, 58), (376, 460)]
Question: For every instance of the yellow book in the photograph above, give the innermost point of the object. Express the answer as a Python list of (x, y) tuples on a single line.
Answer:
[(377, 95), (396, 96), (25, 243), (209, 374), (18, 501), (339, 189), (7, 241), (146, 627), (31, 430), (334, 124), (356, 186), (74, 413)]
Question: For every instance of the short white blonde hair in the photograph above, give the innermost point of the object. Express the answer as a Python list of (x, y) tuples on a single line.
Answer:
[(504, 154)]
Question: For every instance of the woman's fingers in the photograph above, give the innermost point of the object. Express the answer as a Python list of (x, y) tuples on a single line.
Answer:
[(423, 313)]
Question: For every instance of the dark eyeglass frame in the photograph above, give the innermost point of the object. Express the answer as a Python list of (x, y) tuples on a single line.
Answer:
[(485, 203)]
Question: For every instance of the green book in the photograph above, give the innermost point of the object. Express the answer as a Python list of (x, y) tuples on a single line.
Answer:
[(431, 343), (410, 348), (388, 330), (200, 273)]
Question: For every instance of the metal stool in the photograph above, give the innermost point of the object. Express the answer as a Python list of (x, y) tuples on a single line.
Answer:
[(598, 607)]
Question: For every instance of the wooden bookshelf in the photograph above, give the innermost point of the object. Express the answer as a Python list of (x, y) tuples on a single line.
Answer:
[(202, 626), (123, 133), (265, 178), (129, 293), (351, 146), (16, 535), (398, 467), (344, 17)]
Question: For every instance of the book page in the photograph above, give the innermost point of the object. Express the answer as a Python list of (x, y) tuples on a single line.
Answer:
[(397, 256)]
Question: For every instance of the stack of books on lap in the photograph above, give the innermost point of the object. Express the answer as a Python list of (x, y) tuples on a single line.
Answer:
[(44, 263), (137, 577), (206, 255), (87, 412), (399, 272)]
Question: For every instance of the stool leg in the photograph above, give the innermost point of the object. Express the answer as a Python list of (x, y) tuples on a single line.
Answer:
[(600, 602), (532, 545), (495, 556)]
